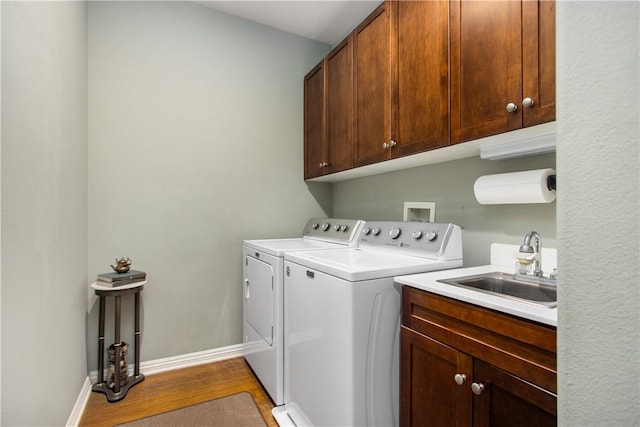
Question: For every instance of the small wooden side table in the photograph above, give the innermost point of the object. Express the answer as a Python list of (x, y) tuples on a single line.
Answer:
[(119, 391)]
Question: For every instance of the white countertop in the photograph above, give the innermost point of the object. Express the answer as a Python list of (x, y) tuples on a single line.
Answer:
[(500, 263)]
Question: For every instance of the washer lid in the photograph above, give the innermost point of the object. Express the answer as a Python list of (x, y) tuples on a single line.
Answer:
[(362, 264)]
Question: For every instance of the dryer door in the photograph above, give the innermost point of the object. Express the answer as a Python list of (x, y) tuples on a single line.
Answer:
[(258, 297)]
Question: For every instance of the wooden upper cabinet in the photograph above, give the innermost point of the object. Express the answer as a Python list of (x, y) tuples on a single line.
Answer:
[(539, 60), (501, 53), (339, 106), (486, 67), (315, 147), (401, 70), (328, 113), (420, 76), (372, 87)]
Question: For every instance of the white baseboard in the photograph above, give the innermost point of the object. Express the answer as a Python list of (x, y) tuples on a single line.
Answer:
[(81, 402), (154, 367)]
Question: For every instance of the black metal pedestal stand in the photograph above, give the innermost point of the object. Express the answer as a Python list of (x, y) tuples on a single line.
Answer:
[(119, 391)]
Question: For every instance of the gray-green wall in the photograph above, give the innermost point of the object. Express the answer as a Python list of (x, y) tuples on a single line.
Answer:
[(44, 210), (450, 186), (195, 144)]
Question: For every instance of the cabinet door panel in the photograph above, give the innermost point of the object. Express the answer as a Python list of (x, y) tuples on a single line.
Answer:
[(429, 393), (372, 71), (339, 104), (539, 61), (314, 136), (510, 401), (421, 96), (486, 67)]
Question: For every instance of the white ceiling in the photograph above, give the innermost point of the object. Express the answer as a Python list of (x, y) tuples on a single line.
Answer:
[(328, 21)]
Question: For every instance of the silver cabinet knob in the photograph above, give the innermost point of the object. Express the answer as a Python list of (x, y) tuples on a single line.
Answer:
[(385, 145), (393, 143), (511, 107), (527, 102), (460, 378), (477, 388)]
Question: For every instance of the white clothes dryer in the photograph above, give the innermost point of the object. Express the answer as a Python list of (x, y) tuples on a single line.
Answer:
[(342, 322), (263, 296)]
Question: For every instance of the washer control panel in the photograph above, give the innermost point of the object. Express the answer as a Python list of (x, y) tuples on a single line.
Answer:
[(408, 235), (345, 230)]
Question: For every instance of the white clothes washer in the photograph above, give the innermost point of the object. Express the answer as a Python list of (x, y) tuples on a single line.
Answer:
[(263, 296), (342, 322)]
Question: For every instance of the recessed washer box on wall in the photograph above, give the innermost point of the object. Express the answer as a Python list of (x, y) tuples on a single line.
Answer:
[(419, 211)]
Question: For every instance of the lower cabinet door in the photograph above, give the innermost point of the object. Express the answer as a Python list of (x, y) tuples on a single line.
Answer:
[(435, 383), (506, 400)]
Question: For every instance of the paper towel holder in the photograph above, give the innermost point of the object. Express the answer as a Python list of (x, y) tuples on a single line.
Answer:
[(534, 186), (551, 182)]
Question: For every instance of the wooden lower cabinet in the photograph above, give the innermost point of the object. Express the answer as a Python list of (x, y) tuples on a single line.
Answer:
[(510, 401), (429, 394), (447, 381)]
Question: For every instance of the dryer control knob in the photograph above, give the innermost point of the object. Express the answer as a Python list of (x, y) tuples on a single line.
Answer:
[(337, 227), (344, 228), (375, 231), (366, 231), (395, 233), (315, 225), (325, 226), (417, 234), (431, 235)]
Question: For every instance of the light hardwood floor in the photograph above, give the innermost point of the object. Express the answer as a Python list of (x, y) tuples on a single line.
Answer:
[(175, 389)]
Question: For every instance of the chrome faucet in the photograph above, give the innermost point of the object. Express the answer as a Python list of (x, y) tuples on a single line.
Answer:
[(528, 249)]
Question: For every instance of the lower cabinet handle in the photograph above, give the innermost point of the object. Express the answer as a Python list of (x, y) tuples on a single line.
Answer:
[(477, 388)]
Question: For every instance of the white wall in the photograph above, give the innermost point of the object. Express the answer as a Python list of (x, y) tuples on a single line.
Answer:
[(44, 210), (598, 221), (195, 143)]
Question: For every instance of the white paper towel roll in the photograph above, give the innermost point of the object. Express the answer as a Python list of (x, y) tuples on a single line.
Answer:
[(515, 187)]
